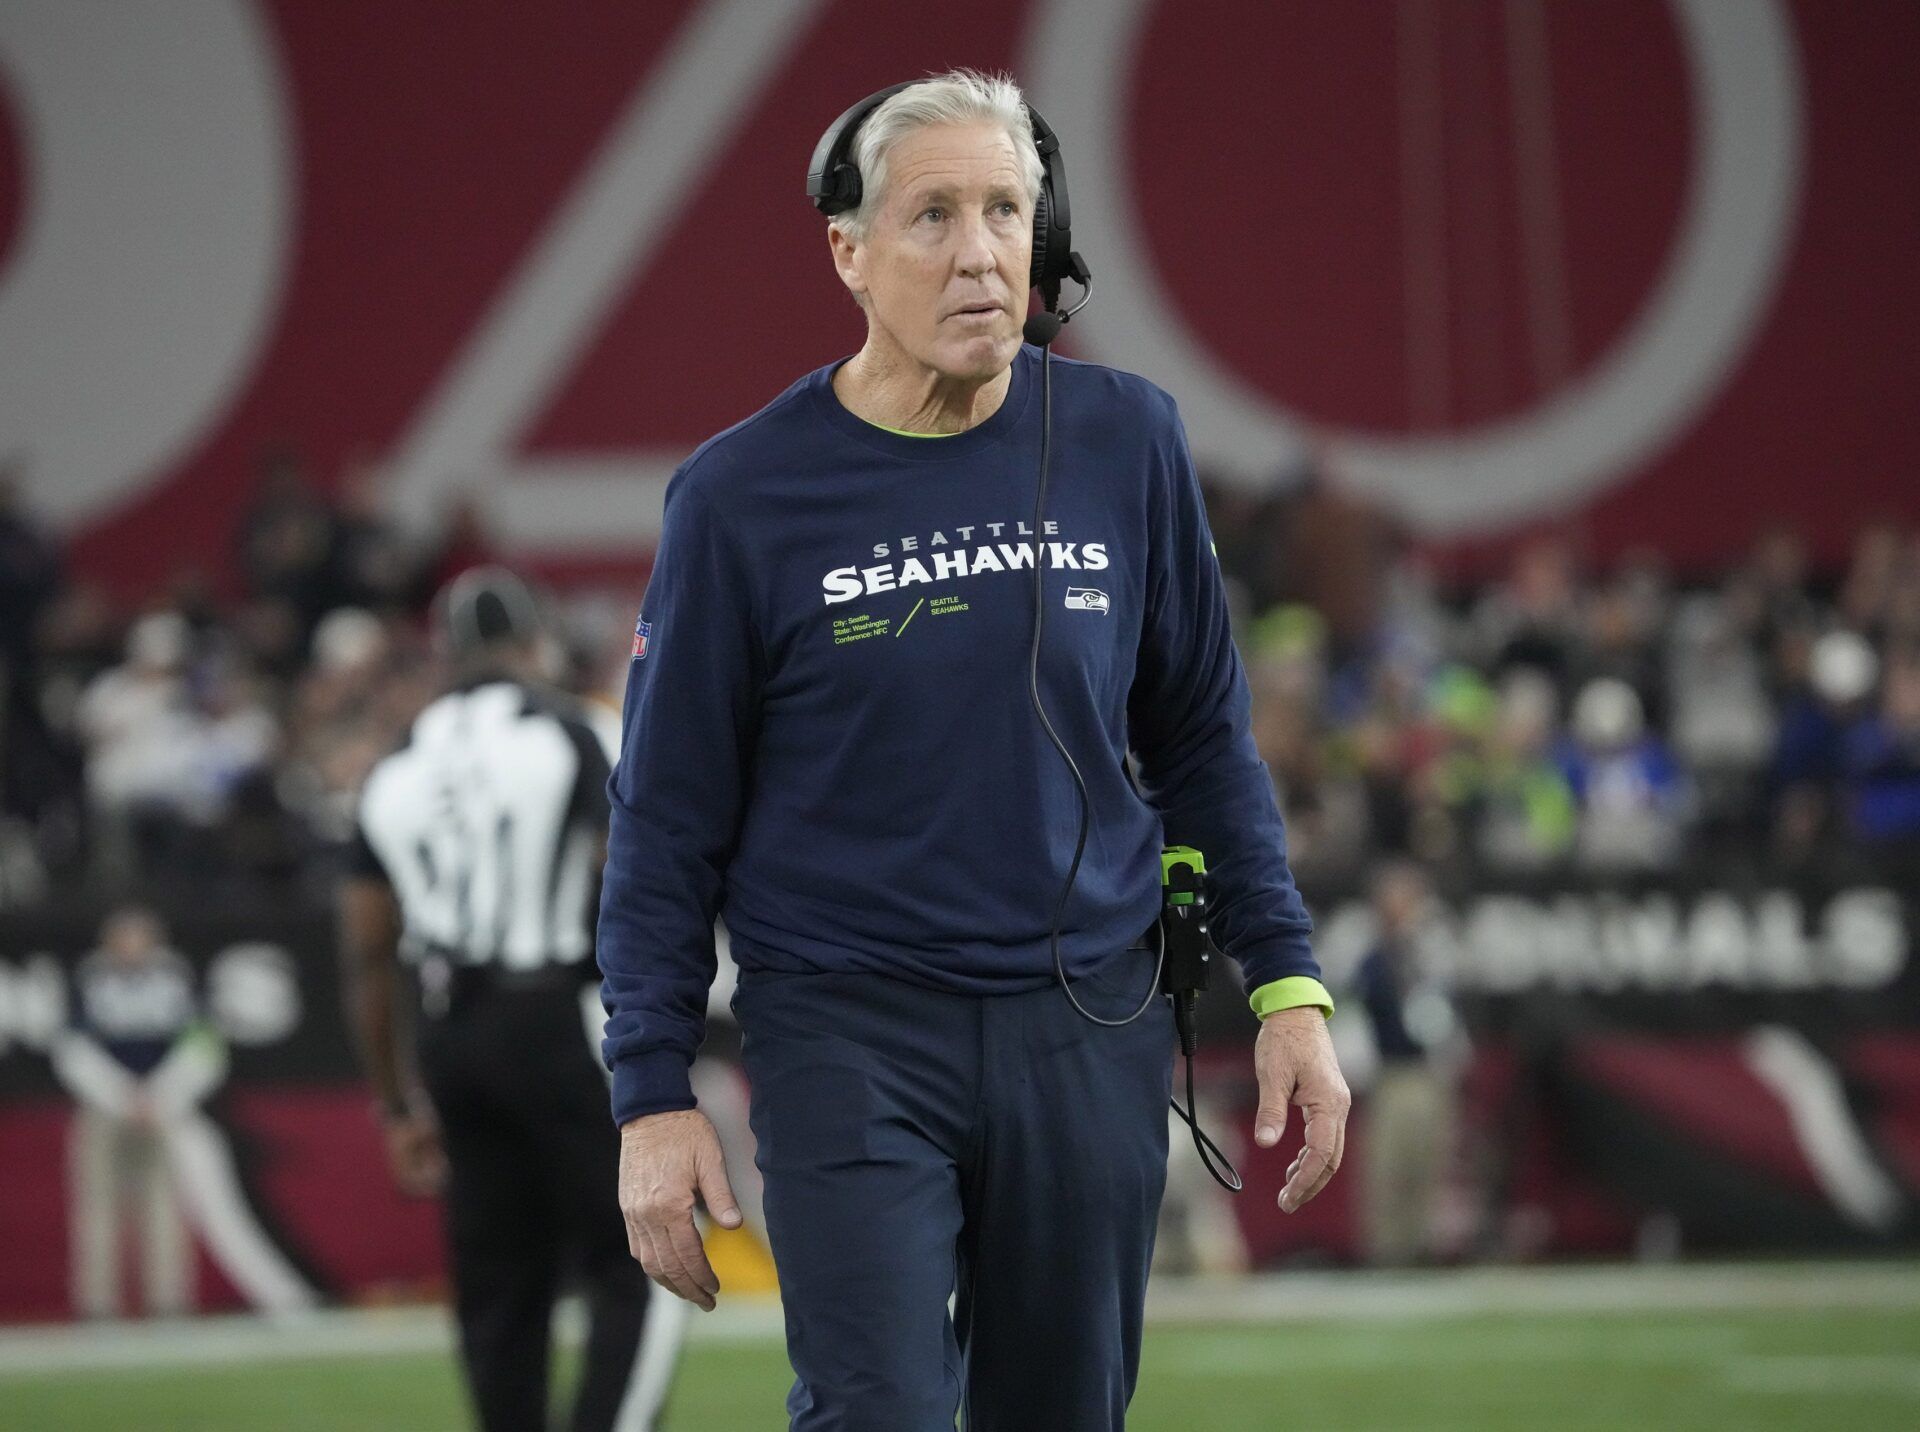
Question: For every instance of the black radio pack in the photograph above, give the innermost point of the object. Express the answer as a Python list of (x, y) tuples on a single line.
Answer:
[(1186, 960)]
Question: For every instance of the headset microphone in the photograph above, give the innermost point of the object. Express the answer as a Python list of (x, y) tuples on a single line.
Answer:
[(1042, 329)]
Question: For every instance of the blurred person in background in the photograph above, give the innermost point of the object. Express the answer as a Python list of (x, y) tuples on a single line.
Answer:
[(1883, 764), (76, 639), (30, 765), (367, 681), (1621, 620), (1633, 796), (1410, 1106), (1527, 817), (1459, 711), (1334, 554), (340, 719), (29, 566), (480, 842), (178, 739), (137, 722), (1246, 523), (1876, 573), (126, 1061), (1325, 807), (1777, 587), (30, 569), (231, 796), (372, 563), (1810, 757), (286, 540), (1533, 618), (141, 1060), (1723, 721), (1901, 617)]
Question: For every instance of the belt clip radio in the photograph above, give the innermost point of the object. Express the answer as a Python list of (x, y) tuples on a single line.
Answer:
[(1183, 929), (1187, 952)]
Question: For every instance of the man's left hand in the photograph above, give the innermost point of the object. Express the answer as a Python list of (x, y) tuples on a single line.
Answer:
[(415, 1155), (1293, 1059)]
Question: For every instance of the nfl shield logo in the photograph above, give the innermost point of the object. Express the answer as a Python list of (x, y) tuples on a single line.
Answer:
[(640, 634)]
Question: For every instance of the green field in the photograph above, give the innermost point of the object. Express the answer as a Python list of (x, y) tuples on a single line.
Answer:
[(1362, 1369)]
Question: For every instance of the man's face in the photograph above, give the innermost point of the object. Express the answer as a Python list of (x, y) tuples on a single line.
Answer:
[(945, 261)]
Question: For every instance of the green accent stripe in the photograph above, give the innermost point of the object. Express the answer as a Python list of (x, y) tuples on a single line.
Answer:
[(910, 616), (903, 433), (1290, 993)]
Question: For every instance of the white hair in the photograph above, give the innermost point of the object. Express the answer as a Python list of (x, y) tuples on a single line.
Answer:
[(957, 97)]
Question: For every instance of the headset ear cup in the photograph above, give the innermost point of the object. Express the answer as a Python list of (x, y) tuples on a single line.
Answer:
[(1042, 229), (846, 188)]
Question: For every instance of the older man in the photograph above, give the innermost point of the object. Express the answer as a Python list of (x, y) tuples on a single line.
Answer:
[(829, 741)]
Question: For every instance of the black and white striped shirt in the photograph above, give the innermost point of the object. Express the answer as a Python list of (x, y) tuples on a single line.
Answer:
[(490, 826)]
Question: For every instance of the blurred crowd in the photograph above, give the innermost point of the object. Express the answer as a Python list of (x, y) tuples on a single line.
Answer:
[(1759, 722), (222, 736), (1561, 719)]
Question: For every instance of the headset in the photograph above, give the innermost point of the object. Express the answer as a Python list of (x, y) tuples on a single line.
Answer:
[(834, 185)]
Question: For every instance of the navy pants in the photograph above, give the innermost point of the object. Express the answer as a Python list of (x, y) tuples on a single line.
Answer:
[(918, 1144)]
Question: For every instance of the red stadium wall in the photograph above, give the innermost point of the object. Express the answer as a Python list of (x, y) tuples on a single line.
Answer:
[(534, 262)]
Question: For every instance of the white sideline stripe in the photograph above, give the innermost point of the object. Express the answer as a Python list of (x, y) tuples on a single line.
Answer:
[(1476, 1292), (335, 1333), (1350, 1297)]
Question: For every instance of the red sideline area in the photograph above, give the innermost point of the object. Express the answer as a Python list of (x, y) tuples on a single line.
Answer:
[(316, 1176), (315, 1171)]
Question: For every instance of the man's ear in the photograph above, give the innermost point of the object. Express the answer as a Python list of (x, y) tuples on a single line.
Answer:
[(849, 259)]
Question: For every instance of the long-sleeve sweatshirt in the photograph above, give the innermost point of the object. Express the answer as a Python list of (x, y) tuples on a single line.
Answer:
[(828, 739)]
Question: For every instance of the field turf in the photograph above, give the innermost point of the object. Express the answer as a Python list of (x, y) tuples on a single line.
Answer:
[(1802, 1365)]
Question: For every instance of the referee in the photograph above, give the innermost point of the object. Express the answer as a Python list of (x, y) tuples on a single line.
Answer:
[(478, 857)]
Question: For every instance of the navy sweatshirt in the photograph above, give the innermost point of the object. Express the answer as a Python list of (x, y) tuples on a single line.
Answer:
[(828, 737)]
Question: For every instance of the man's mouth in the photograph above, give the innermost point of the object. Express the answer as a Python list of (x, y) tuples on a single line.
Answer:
[(975, 310)]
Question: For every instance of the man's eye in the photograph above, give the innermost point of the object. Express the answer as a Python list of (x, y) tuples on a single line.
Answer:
[(935, 214), (1008, 209)]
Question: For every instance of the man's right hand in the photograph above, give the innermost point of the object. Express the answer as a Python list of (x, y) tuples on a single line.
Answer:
[(665, 1161)]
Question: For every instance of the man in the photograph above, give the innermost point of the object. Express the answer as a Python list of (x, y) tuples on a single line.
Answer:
[(1410, 1108), (849, 769), (480, 842), (129, 1056)]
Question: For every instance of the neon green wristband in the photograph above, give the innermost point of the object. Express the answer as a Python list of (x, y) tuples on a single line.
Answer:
[(1291, 993)]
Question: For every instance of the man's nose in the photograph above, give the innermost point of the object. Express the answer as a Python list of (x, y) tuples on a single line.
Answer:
[(975, 255)]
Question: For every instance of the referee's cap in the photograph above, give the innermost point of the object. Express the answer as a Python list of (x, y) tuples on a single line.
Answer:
[(485, 608)]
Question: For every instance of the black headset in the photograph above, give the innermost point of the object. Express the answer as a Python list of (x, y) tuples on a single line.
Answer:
[(833, 183)]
